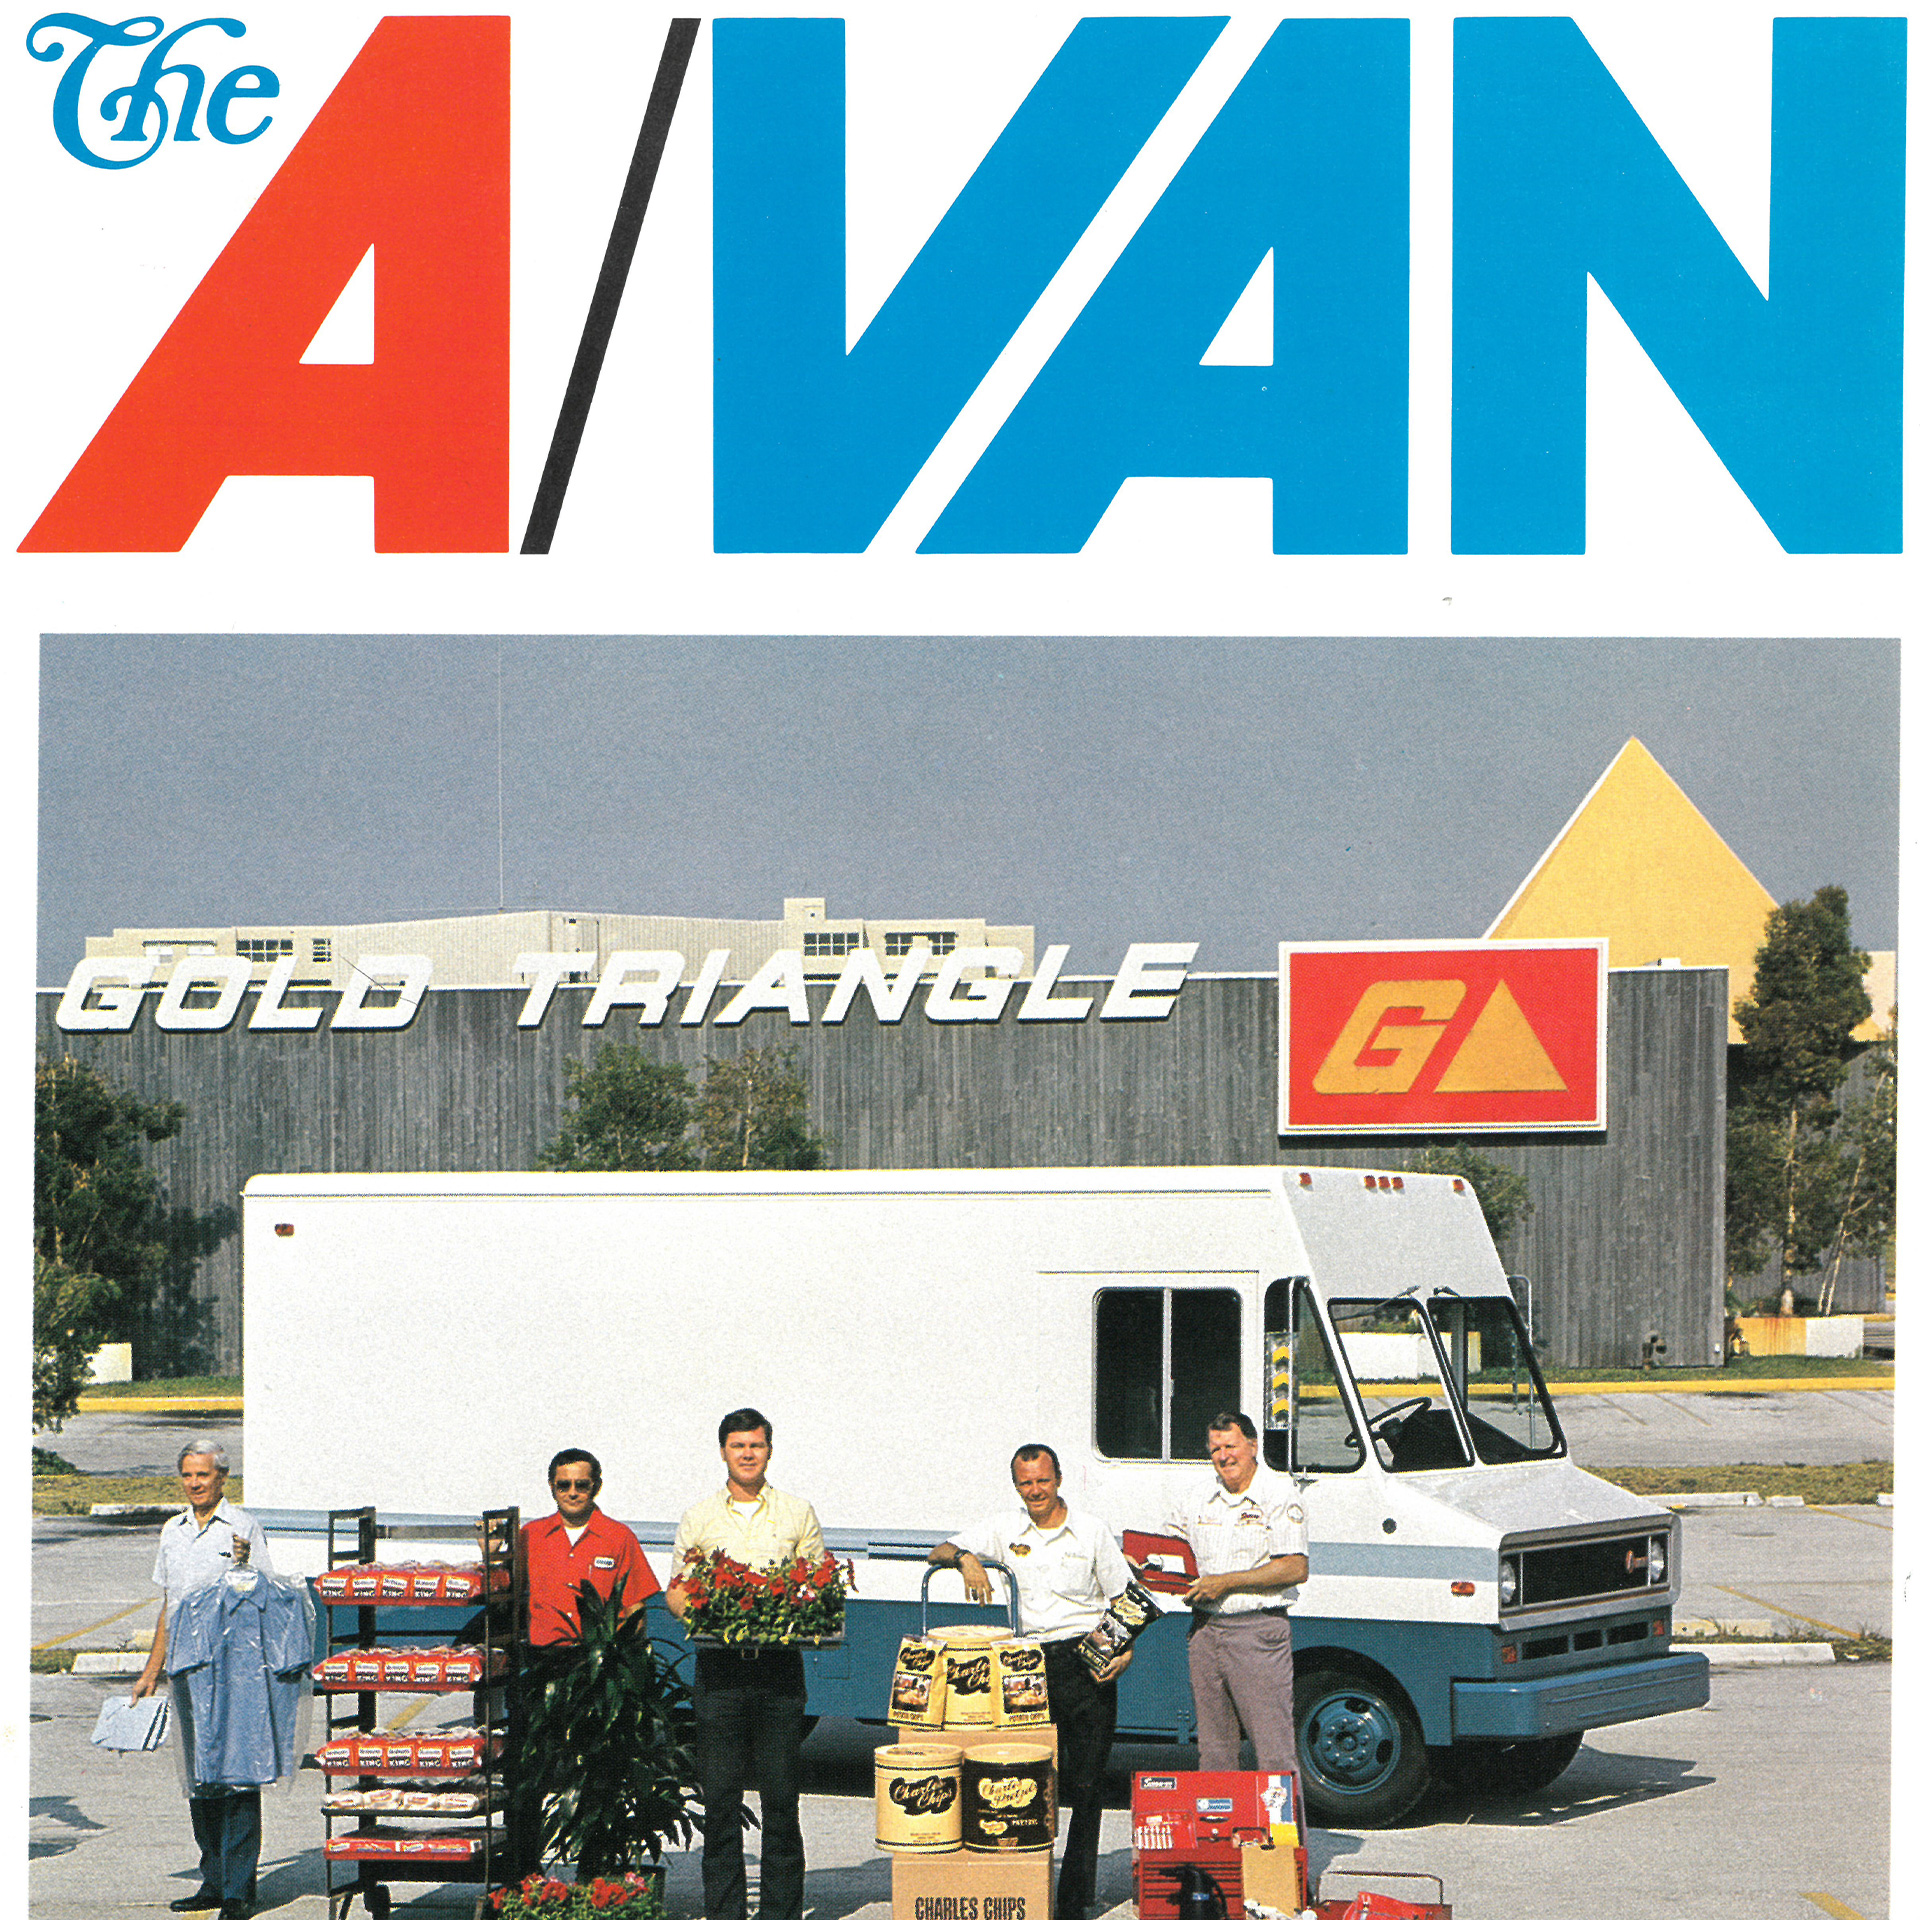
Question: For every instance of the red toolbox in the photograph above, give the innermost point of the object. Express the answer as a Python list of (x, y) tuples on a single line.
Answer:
[(1236, 1835), (1369, 1904)]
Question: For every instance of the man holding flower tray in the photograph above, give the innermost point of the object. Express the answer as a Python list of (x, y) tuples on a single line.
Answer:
[(750, 1694)]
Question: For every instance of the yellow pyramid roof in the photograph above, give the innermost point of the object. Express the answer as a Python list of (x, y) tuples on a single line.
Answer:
[(1639, 864)]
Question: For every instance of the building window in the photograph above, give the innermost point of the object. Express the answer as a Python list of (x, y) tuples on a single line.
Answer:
[(251, 949), (899, 945), (323, 953), (1166, 1359), (830, 945)]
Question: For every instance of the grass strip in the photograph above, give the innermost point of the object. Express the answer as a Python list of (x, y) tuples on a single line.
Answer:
[(1853, 1485), (187, 1387), (1756, 1367), (77, 1492)]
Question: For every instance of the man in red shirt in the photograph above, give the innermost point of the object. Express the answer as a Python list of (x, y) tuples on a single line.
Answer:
[(575, 1543)]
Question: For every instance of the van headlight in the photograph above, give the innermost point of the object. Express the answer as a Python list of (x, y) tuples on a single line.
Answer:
[(1509, 1582), (1657, 1560)]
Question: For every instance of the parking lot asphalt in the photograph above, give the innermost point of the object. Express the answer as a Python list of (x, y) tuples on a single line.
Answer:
[(1772, 1800), (1679, 1429)]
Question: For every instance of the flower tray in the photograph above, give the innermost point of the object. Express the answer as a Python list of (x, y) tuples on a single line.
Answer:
[(712, 1641)]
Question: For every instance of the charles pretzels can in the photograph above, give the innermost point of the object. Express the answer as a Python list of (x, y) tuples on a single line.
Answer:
[(1006, 1799), (916, 1799)]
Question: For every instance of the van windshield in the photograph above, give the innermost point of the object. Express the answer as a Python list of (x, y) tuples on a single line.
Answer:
[(1404, 1353)]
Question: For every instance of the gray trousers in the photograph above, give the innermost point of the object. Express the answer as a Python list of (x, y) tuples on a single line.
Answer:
[(1241, 1667)]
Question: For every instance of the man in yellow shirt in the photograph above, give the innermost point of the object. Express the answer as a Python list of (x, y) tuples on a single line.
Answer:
[(749, 1703)]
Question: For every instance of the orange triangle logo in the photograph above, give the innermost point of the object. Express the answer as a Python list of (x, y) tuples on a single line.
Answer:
[(1502, 1054)]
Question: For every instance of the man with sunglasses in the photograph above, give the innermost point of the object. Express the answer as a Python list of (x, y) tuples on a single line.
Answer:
[(577, 1543)]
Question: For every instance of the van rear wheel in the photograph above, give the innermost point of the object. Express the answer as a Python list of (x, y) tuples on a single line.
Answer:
[(1506, 1768), (1363, 1762)]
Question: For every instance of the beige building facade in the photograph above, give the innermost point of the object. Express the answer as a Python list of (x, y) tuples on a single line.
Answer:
[(484, 949)]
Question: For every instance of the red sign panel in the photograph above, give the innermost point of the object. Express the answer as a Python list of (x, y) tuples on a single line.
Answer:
[(1477, 1037)]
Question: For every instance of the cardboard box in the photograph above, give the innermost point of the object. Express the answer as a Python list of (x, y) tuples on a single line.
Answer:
[(1273, 1878), (973, 1886)]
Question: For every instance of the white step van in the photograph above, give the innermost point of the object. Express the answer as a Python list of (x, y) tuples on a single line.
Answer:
[(423, 1343)]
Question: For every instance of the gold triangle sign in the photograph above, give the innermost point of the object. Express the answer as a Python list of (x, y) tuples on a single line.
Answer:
[(1502, 1054)]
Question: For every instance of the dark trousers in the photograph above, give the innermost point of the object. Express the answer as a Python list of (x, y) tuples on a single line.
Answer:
[(227, 1827), (1084, 1710), (749, 1712)]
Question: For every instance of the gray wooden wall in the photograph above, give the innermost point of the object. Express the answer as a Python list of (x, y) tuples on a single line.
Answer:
[(1626, 1236)]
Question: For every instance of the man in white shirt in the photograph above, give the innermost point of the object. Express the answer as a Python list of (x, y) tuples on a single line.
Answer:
[(1068, 1567), (209, 1539), (749, 1703), (1248, 1532)]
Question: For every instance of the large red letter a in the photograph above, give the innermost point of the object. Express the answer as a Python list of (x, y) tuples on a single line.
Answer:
[(408, 155)]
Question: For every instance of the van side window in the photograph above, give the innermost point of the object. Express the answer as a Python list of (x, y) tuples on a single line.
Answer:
[(1165, 1361), (1303, 1391)]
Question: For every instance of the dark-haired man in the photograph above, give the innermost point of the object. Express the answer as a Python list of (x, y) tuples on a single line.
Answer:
[(578, 1545), (1248, 1532), (749, 1703), (1068, 1567)]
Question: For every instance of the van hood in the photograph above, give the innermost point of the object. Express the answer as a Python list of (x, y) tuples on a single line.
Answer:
[(1533, 1497)]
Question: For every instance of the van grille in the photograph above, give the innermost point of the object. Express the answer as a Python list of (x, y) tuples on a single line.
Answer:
[(1586, 1569)]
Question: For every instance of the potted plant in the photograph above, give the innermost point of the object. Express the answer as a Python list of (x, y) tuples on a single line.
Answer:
[(605, 1772)]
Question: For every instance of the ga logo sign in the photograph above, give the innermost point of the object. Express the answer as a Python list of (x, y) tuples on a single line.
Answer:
[(1479, 1037)]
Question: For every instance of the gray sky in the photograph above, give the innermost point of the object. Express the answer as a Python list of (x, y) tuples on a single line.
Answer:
[(1233, 792)]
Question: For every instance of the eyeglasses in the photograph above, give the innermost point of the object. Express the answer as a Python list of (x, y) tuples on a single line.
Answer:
[(573, 1486)]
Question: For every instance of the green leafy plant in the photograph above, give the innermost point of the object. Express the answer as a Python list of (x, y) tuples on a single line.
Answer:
[(606, 1772)]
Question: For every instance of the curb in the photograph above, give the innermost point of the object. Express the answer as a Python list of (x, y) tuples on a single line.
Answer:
[(1836, 1383), (1778, 1653), (107, 1663), (198, 1403)]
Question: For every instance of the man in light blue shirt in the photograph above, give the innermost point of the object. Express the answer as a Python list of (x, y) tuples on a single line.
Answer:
[(196, 1548)]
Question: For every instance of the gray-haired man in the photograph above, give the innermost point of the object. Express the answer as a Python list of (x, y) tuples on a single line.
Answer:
[(1249, 1537), (209, 1539)]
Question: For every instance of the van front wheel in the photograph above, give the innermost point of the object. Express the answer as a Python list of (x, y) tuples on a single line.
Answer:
[(1362, 1760)]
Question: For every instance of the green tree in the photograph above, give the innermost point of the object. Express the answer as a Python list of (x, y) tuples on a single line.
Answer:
[(631, 1114), (69, 1313), (1796, 1182), (100, 1222), (1867, 1144), (753, 1113), (1504, 1195)]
